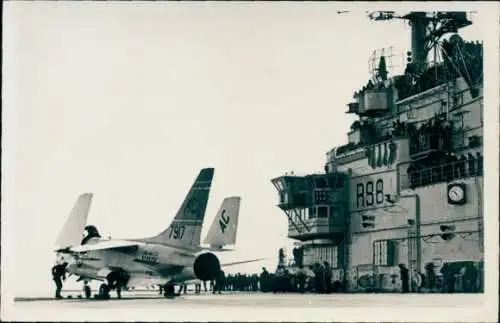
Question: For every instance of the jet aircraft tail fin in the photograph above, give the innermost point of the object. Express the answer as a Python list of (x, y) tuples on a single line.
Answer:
[(224, 228), (71, 233), (185, 229)]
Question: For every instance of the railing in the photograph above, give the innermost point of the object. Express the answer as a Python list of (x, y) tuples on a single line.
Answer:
[(347, 148), (352, 149), (428, 79), (442, 173), (322, 225), (426, 143), (314, 197)]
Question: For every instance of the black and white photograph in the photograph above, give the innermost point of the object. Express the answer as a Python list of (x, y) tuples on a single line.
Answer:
[(250, 161)]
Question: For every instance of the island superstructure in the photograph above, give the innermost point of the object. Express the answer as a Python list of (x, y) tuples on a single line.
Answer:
[(407, 188)]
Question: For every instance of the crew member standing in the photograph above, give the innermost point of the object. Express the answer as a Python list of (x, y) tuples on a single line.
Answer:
[(328, 277), (471, 275), (219, 283), (264, 280), (205, 285), (430, 276), (302, 278), (58, 273), (182, 288), (404, 278), (319, 278)]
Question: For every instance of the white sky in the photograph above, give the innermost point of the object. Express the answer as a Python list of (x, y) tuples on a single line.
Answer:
[(129, 101)]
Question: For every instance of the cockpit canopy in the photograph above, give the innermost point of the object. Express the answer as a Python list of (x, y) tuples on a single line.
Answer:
[(89, 233)]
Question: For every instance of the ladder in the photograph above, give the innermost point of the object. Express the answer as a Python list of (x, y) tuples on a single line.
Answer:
[(290, 213)]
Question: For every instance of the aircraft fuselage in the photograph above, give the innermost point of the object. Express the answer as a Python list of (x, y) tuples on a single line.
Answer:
[(146, 264)]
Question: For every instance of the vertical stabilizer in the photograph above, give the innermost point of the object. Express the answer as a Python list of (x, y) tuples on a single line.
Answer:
[(223, 230), (185, 229), (71, 233)]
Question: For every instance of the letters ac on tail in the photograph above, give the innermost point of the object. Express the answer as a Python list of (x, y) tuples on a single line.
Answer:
[(224, 228), (223, 221)]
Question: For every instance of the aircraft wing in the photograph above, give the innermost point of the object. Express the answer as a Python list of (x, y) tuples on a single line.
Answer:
[(105, 245), (241, 262)]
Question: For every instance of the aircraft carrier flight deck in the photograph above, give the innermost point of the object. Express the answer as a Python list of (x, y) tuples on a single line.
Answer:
[(207, 306)]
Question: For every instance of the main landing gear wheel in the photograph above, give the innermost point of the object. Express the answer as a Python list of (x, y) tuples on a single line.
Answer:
[(87, 291), (104, 291), (169, 291)]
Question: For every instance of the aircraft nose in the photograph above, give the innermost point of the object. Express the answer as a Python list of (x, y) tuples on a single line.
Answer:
[(66, 259)]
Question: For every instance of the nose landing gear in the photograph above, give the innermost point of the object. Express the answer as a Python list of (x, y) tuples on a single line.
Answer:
[(86, 290)]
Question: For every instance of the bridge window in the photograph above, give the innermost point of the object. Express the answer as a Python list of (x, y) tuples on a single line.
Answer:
[(320, 196), (322, 212), (385, 253), (312, 212), (320, 254)]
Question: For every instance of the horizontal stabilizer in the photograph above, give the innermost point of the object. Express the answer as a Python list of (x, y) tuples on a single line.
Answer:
[(216, 249), (241, 262)]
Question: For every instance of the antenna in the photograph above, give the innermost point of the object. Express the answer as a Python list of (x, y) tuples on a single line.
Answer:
[(426, 30)]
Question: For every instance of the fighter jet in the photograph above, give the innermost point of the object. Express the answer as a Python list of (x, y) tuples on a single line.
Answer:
[(169, 258)]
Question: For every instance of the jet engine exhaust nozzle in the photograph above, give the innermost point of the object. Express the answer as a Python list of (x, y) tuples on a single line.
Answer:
[(207, 266)]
